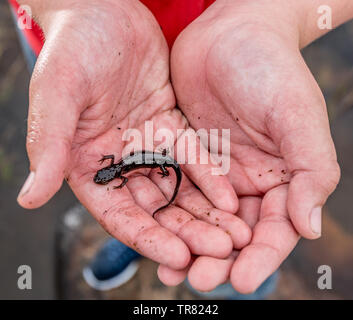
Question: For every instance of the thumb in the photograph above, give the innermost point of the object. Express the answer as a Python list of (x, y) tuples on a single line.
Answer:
[(54, 111), (301, 129)]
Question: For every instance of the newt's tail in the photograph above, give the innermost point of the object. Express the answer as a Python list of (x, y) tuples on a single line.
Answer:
[(179, 175)]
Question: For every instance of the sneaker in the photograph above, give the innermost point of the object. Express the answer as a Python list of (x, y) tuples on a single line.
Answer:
[(113, 265)]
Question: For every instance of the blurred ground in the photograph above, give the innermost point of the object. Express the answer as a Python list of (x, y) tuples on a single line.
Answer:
[(56, 249)]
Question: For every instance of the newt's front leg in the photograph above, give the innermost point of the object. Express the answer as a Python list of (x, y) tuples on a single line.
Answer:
[(124, 182), (109, 156), (164, 173)]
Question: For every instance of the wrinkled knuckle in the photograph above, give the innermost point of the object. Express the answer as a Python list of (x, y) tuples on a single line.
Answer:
[(33, 135)]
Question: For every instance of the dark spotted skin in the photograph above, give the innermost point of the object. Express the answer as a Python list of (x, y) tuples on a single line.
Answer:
[(138, 160)]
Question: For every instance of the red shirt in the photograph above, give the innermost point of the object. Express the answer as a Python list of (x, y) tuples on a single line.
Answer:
[(172, 15)]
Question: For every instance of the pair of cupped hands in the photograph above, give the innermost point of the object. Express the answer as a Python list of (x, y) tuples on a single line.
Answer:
[(106, 65)]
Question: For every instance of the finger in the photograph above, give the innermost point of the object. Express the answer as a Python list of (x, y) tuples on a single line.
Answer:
[(207, 273), (201, 238), (57, 95), (249, 210), (120, 216), (301, 129), (274, 237), (204, 173), (194, 202), (171, 277)]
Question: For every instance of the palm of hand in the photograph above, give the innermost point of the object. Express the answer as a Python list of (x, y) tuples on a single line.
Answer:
[(122, 76), (251, 80)]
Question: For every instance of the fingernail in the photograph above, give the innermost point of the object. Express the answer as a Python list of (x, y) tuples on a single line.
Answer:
[(27, 185), (315, 220)]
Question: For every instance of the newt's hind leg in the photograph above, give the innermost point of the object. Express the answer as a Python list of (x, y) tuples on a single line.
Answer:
[(123, 183), (109, 156), (164, 173)]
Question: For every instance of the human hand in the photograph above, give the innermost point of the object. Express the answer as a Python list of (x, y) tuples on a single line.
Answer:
[(239, 66), (104, 69)]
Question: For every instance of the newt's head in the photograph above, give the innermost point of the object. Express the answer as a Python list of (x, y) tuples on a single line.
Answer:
[(105, 175)]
